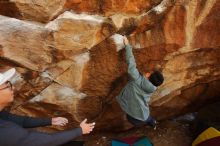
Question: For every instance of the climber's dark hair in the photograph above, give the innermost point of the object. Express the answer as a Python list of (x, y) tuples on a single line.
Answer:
[(156, 78)]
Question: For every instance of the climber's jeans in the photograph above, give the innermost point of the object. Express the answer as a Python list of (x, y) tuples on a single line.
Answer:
[(150, 121)]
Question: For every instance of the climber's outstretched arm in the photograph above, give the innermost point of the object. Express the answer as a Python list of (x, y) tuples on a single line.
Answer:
[(132, 69)]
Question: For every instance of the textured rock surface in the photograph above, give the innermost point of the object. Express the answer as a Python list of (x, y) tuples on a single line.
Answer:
[(68, 65), (26, 43), (38, 10)]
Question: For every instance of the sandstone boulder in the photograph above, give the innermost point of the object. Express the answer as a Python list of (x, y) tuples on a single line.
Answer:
[(70, 66)]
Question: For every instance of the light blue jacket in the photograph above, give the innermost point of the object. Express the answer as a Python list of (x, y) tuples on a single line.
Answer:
[(135, 96)]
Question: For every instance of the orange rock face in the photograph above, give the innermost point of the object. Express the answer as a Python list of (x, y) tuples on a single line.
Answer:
[(68, 65), (112, 6), (9, 9)]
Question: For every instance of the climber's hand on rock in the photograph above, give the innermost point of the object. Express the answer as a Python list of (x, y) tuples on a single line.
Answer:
[(125, 40), (86, 127), (59, 121)]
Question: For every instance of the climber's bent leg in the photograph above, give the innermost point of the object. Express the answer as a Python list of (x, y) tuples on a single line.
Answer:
[(150, 121)]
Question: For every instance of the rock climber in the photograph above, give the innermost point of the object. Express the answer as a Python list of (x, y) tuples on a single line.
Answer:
[(134, 97)]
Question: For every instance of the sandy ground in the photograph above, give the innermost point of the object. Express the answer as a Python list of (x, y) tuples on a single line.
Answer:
[(167, 133)]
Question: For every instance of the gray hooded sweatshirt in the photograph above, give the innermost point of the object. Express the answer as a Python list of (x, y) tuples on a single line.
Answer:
[(135, 96)]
